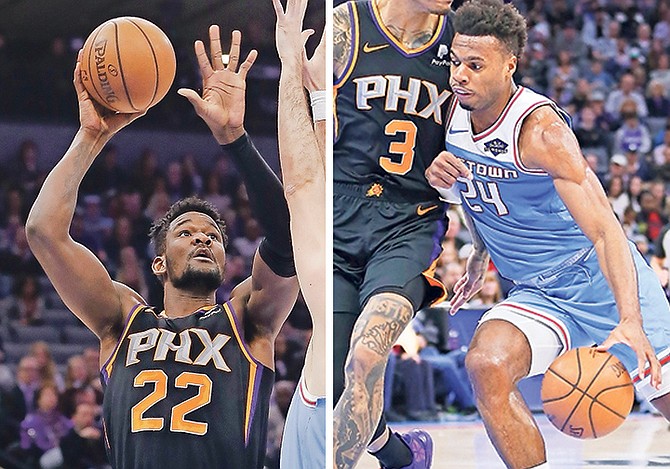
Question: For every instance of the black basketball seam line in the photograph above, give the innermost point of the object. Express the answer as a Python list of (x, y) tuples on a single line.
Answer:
[(579, 366), (579, 378), (574, 386), (618, 386), (153, 53), (123, 78), (90, 51)]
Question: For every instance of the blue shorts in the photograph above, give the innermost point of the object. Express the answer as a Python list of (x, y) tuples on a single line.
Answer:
[(303, 445), (573, 306)]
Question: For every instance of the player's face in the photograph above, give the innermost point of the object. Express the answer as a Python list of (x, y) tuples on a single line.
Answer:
[(194, 253), (481, 72)]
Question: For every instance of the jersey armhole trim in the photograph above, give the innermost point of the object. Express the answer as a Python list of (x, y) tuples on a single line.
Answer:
[(106, 370)]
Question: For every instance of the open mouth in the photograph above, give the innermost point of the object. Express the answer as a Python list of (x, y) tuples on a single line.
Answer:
[(203, 254)]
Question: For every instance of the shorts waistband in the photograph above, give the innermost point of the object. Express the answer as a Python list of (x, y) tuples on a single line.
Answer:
[(379, 190), (550, 275)]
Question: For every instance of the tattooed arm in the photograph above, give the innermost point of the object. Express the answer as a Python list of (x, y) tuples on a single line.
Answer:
[(341, 38)]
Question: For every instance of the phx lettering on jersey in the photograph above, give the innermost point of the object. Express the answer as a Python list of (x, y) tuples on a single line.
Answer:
[(389, 88), (161, 341)]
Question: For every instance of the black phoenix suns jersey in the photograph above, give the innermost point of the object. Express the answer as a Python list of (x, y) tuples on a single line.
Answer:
[(185, 392), (390, 104)]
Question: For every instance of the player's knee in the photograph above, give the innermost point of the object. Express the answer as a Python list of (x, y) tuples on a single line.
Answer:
[(363, 361), (483, 364)]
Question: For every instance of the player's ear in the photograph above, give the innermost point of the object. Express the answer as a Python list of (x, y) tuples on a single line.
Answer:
[(511, 65), (158, 266)]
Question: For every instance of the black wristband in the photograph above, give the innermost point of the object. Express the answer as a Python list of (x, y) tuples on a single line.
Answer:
[(278, 262)]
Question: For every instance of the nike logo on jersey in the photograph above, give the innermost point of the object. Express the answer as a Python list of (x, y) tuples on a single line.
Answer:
[(421, 211), (457, 131), (367, 48), (162, 341)]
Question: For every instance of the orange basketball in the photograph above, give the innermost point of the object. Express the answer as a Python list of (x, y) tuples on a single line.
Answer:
[(128, 64), (587, 394)]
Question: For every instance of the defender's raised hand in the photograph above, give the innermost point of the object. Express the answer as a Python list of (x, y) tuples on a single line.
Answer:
[(222, 103), (290, 38)]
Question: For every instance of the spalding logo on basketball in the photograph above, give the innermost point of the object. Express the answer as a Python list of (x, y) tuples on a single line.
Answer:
[(128, 64), (587, 394)]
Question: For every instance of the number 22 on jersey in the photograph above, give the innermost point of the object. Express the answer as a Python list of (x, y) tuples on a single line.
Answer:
[(178, 420)]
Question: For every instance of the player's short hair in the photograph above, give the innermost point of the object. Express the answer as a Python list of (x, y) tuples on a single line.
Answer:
[(493, 18), (158, 232)]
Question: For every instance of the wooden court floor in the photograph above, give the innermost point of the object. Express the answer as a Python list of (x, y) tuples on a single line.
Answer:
[(642, 441)]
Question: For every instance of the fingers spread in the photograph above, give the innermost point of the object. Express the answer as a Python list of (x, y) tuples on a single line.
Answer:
[(203, 61), (234, 55), (246, 65), (215, 47)]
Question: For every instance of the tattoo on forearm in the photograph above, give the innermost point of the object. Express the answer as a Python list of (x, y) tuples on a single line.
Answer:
[(341, 39)]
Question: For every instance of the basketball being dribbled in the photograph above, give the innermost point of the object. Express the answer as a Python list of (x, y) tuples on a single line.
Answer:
[(587, 394), (128, 64)]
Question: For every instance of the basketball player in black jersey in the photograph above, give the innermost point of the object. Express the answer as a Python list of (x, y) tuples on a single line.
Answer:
[(391, 62), (188, 386)]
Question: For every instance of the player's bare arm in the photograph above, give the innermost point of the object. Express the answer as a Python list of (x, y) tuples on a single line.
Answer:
[(303, 169), (547, 143), (77, 275), (314, 80), (341, 39), (477, 263)]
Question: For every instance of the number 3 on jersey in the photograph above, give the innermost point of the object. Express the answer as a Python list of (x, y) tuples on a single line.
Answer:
[(404, 148), (178, 421)]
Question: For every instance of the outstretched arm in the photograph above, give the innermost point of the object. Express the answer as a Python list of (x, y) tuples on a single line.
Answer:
[(268, 297), (78, 276), (547, 143), (303, 169)]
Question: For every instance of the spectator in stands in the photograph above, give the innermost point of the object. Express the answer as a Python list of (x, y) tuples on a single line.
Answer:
[(46, 365), (25, 172), (591, 137), (415, 377), (130, 272), (660, 261), (661, 72), (604, 120), (28, 380), (663, 171), (191, 174), (214, 196), (650, 217), (490, 293), (626, 91), (658, 152), (246, 246), (106, 176), (26, 304), (598, 77), (76, 378), (617, 196), (632, 135), (82, 446), (43, 428), (657, 100)]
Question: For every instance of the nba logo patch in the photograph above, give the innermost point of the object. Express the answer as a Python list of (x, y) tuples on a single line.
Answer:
[(496, 146)]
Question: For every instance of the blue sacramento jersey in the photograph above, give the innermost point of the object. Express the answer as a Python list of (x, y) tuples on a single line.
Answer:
[(517, 211)]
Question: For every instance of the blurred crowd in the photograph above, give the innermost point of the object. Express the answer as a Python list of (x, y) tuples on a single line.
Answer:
[(607, 63)]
